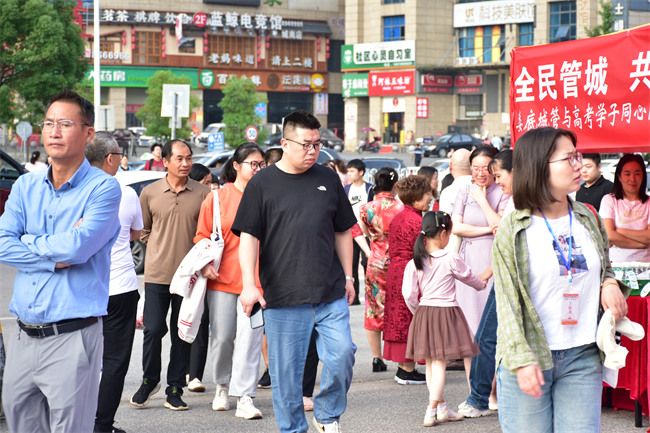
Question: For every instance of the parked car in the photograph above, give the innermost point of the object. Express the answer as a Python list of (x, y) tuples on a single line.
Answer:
[(443, 144), (324, 155), (142, 139), (374, 163), (213, 160), (202, 139), (10, 170), (138, 180)]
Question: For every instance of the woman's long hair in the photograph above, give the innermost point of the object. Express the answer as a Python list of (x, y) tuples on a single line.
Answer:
[(228, 172), (432, 224)]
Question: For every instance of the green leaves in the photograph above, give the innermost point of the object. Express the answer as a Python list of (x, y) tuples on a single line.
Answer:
[(41, 52), (238, 104)]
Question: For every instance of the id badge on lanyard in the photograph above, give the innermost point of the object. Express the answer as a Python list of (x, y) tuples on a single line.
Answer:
[(570, 304), (570, 296)]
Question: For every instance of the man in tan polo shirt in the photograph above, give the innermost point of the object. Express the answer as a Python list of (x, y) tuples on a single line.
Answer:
[(170, 211)]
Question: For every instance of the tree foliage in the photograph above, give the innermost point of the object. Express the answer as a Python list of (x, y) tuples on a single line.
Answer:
[(606, 13), (238, 104), (149, 114), (41, 52)]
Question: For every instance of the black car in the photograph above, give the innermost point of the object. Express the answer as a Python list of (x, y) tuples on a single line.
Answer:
[(10, 170), (443, 144)]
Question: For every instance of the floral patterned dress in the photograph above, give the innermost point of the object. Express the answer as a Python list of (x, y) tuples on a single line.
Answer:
[(403, 231), (377, 215)]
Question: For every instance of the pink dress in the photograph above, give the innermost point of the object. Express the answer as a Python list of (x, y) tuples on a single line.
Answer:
[(377, 215), (476, 251)]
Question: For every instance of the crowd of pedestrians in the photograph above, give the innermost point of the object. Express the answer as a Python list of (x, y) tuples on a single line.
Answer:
[(505, 272)]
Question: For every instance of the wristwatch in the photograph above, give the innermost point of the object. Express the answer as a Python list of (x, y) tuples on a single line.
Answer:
[(349, 278)]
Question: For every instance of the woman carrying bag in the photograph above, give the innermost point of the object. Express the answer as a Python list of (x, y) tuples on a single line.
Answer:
[(235, 345)]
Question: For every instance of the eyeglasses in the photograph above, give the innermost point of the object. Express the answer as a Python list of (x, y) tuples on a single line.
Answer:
[(307, 146), (572, 158), (480, 169), (63, 125), (116, 153), (256, 165)]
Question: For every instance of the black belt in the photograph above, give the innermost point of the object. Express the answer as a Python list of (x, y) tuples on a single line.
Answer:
[(49, 329)]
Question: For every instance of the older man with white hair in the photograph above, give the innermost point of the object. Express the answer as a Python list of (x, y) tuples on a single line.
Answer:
[(119, 325), (459, 169)]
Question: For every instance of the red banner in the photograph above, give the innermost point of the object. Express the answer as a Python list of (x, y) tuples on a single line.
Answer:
[(391, 83), (597, 87)]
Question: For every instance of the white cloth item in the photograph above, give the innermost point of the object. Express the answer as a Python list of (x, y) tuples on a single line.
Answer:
[(358, 196), (606, 340), (123, 277), (448, 195), (548, 280), (189, 283)]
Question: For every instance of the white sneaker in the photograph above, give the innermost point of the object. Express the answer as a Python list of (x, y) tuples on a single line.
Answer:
[(468, 411), (246, 409), (430, 417), (445, 414), (221, 401), (334, 427), (196, 385)]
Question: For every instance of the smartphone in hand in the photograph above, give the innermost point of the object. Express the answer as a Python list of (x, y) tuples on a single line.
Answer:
[(257, 316)]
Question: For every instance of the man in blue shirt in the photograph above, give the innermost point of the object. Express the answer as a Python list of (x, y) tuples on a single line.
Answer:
[(58, 229)]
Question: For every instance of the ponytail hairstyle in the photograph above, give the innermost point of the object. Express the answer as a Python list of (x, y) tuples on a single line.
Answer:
[(433, 223), (228, 172)]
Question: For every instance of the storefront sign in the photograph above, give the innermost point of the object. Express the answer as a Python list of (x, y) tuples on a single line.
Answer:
[(355, 85), (422, 108), (377, 56), (468, 83), (136, 76), (489, 13), (432, 80), (597, 87), (321, 104), (270, 81), (394, 104), (391, 83)]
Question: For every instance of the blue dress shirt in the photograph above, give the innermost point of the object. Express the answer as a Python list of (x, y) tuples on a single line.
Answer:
[(37, 231)]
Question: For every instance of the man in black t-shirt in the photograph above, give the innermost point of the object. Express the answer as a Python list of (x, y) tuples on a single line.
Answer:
[(299, 215), (595, 186)]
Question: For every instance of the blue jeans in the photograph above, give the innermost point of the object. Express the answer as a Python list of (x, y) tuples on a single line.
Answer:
[(288, 331), (482, 370), (571, 396)]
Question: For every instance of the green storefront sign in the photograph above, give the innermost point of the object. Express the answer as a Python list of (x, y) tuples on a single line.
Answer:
[(379, 55), (136, 76), (355, 85)]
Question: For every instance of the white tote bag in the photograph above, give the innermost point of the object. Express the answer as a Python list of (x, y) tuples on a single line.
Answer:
[(217, 236)]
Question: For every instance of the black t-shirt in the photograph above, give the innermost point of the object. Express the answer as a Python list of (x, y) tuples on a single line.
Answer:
[(295, 217), (594, 194)]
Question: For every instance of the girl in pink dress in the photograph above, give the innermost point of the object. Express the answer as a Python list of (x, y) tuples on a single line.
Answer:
[(438, 331)]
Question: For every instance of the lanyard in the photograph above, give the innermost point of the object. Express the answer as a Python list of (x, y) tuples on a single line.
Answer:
[(567, 263)]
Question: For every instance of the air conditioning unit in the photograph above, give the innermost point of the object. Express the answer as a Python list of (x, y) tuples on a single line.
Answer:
[(473, 60)]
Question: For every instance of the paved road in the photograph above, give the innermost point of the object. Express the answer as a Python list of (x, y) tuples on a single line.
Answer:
[(376, 402)]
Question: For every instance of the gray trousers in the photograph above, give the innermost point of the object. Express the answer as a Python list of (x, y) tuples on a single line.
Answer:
[(233, 343), (51, 384)]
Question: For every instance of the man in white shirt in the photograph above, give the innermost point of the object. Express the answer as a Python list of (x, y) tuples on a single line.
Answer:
[(359, 192), (119, 325), (459, 169)]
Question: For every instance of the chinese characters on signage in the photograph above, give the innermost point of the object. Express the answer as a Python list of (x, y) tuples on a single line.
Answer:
[(378, 56), (599, 88), (355, 85), (218, 20), (487, 13), (459, 83), (267, 81), (391, 83), (422, 108)]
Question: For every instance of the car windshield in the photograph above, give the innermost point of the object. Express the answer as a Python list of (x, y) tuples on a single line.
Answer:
[(444, 138)]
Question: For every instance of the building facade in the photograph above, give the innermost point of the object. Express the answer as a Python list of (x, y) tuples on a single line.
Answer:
[(415, 68), (290, 49)]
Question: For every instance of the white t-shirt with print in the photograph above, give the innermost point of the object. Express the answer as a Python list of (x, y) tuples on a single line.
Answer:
[(548, 280), (627, 214), (358, 196), (123, 277)]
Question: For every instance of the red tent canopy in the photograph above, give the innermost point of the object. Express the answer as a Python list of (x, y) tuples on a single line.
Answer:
[(597, 87)]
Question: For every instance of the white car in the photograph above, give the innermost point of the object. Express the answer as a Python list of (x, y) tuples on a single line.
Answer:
[(202, 139), (138, 180)]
